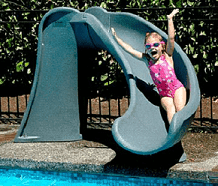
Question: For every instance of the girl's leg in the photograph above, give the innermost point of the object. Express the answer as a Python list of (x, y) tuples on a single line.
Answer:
[(180, 98), (168, 104)]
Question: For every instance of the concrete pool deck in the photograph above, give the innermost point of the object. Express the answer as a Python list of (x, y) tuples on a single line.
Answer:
[(100, 157)]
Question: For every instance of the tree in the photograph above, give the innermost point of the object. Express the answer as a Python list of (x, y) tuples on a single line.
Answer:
[(196, 30)]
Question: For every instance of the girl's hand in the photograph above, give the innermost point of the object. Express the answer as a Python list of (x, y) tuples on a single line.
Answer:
[(174, 12), (113, 31)]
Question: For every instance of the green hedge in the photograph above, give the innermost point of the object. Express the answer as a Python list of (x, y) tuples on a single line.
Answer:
[(195, 25)]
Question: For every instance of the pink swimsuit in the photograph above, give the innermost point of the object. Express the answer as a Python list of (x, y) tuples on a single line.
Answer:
[(164, 78)]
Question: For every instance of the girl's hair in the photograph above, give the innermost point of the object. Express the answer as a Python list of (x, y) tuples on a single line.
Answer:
[(152, 34)]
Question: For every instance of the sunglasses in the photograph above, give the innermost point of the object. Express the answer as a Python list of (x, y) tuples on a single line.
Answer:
[(149, 45)]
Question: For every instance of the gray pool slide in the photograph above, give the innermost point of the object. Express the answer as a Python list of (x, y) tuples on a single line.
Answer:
[(53, 109)]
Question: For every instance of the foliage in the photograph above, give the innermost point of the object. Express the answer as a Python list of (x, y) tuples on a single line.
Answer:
[(196, 30), (104, 77)]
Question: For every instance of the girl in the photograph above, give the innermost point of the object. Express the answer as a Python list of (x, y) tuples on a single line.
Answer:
[(161, 65)]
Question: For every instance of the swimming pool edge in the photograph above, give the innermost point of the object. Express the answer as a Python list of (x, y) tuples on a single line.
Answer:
[(181, 175)]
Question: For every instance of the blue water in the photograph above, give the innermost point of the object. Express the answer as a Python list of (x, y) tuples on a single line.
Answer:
[(17, 177)]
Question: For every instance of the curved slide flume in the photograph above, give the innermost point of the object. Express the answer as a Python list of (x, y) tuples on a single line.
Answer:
[(143, 128)]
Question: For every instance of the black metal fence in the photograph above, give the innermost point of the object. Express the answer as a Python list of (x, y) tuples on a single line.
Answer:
[(196, 35)]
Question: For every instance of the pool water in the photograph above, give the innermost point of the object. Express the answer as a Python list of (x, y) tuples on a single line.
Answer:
[(18, 177)]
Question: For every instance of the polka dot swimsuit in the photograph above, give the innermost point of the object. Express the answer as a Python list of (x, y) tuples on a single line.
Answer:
[(164, 78)]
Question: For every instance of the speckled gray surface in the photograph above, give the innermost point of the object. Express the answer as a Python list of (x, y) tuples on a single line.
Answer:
[(65, 157), (56, 152)]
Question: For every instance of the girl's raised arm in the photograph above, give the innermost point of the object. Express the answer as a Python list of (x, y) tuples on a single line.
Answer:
[(126, 46), (171, 33)]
